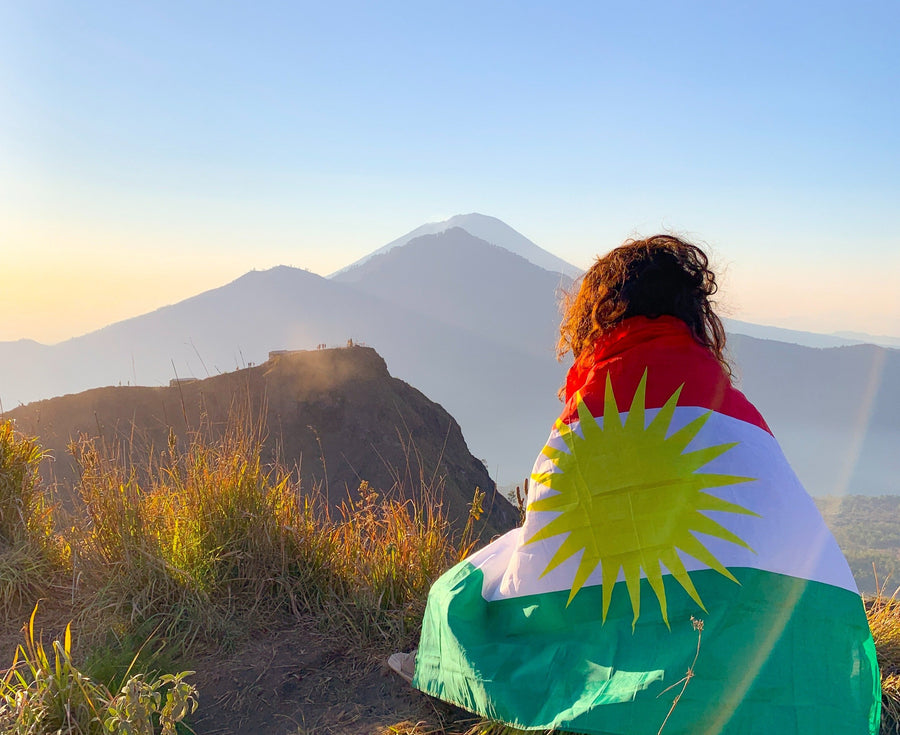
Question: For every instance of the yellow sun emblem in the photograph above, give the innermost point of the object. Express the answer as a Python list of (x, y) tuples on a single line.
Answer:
[(629, 496)]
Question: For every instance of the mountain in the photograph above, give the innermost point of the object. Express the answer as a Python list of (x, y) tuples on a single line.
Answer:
[(477, 377), (336, 413), (472, 325), (833, 410), (465, 282), (809, 339), (872, 339), (489, 229), (795, 336)]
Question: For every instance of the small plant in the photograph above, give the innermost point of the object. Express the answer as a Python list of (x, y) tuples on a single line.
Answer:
[(139, 703), (22, 505), (519, 499), (40, 694), (686, 679), (476, 510), (47, 693), (194, 543)]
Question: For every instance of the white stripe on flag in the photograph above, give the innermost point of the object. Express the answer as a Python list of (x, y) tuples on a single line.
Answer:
[(789, 537)]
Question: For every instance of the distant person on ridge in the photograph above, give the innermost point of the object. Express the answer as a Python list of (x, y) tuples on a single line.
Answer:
[(671, 571)]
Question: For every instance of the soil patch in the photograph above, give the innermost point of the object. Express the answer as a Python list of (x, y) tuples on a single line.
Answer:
[(300, 681)]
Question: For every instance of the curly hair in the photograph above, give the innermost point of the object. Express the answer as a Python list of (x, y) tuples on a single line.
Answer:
[(659, 275)]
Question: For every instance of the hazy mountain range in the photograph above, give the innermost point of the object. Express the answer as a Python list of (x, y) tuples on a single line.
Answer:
[(809, 339), (472, 324)]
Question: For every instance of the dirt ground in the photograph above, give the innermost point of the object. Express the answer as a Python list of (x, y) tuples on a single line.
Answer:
[(290, 681), (299, 681)]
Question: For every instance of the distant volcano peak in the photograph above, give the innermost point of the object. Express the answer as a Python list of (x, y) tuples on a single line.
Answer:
[(487, 228)]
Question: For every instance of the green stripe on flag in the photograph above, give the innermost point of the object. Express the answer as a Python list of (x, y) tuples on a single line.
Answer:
[(778, 655)]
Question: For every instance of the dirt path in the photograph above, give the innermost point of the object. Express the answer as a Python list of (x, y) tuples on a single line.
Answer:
[(299, 682)]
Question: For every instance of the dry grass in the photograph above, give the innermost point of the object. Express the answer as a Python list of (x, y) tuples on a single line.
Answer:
[(204, 542), (883, 612), (202, 538), (381, 557), (27, 541)]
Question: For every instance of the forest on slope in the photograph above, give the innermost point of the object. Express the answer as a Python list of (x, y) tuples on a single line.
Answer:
[(867, 528)]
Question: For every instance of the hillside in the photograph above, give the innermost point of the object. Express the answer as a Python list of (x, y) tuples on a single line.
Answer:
[(868, 531), (337, 414)]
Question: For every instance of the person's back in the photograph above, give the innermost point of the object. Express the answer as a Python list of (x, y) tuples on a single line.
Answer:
[(665, 532)]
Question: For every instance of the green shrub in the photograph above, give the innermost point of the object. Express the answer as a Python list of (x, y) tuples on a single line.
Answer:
[(46, 693)]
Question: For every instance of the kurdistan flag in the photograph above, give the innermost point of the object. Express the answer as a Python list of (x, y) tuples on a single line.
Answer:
[(660, 498)]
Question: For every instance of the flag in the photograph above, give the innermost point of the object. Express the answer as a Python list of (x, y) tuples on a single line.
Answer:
[(668, 550)]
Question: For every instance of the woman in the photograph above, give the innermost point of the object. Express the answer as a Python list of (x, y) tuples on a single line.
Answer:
[(671, 571)]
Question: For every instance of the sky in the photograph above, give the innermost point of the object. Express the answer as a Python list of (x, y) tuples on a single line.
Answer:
[(153, 150)]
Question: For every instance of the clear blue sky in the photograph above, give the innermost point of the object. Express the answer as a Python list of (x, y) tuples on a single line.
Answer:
[(149, 151)]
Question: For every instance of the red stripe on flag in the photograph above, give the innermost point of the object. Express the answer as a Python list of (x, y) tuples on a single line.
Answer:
[(666, 349)]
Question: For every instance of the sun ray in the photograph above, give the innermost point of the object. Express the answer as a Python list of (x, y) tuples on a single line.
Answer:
[(632, 569), (568, 436), (700, 457), (587, 423), (654, 577), (690, 545), (674, 564), (611, 418), (542, 478), (681, 438), (636, 414), (555, 527), (706, 525), (610, 573), (661, 422), (585, 567), (552, 453), (705, 501), (701, 480), (566, 550), (631, 497)]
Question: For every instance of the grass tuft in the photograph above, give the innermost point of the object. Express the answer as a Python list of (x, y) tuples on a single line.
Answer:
[(207, 541), (883, 612), (27, 540)]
